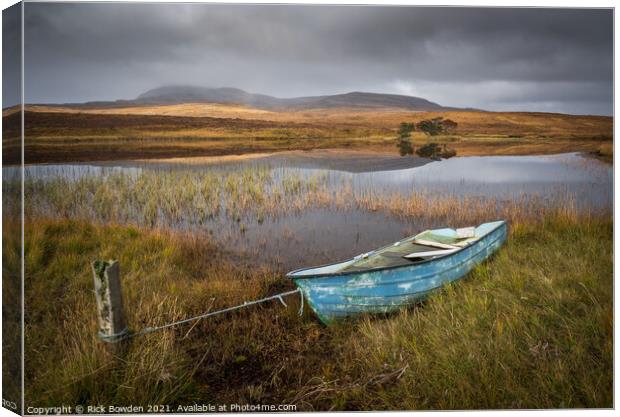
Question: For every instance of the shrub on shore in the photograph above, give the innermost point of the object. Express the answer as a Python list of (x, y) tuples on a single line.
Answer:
[(435, 151)]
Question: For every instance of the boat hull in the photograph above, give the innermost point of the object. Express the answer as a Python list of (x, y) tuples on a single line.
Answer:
[(383, 290)]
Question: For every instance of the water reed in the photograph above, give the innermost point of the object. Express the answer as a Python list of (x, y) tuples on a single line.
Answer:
[(181, 199)]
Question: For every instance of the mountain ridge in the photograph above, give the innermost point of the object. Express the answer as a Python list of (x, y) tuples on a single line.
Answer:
[(187, 94), (176, 94)]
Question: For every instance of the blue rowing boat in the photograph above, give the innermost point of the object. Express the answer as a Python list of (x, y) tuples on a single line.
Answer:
[(399, 274)]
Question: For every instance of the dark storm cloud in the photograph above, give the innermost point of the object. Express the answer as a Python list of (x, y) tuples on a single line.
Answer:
[(541, 59), (11, 55)]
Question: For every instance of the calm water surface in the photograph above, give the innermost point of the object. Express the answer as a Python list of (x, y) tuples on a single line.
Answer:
[(325, 235)]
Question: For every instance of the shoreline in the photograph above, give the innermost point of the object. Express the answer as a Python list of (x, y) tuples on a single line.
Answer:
[(324, 154), (336, 159), (54, 137)]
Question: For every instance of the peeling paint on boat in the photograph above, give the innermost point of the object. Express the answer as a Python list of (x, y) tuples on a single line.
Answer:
[(336, 295)]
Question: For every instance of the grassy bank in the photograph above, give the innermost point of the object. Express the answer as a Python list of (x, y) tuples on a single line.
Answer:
[(531, 328)]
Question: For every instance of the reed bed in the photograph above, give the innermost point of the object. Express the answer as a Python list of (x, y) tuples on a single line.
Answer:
[(169, 198), (184, 199), (465, 210)]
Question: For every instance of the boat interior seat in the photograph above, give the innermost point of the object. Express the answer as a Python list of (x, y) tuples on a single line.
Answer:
[(429, 244), (436, 243), (447, 238), (464, 242)]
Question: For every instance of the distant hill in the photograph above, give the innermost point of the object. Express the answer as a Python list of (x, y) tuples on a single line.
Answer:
[(189, 94)]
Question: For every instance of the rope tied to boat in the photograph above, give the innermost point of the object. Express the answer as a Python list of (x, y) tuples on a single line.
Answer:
[(125, 334)]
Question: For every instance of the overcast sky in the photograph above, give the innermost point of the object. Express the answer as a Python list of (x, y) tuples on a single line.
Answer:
[(497, 59)]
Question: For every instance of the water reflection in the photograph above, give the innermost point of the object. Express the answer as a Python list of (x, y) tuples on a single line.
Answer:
[(328, 232)]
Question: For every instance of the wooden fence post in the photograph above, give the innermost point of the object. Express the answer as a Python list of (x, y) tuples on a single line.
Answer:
[(112, 325)]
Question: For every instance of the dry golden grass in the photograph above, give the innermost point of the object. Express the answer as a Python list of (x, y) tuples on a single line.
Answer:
[(531, 328), (470, 122), (185, 109), (62, 134)]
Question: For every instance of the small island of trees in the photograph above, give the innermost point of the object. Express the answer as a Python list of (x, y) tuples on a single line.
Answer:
[(432, 127)]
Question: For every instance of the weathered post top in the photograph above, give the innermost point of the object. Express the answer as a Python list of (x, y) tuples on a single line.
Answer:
[(112, 325)]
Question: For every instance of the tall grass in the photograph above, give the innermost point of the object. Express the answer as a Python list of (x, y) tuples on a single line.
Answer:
[(531, 328), (169, 198), (11, 305), (184, 199)]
